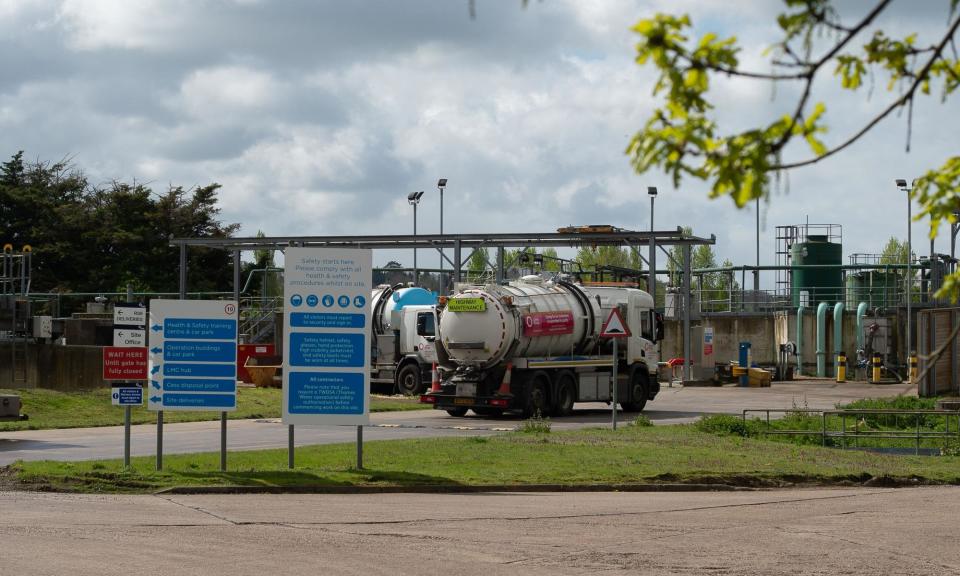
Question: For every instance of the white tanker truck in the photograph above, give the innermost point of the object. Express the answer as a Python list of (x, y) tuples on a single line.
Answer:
[(535, 347), (402, 349)]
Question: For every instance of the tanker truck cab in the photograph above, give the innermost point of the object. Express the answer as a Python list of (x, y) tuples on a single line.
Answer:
[(404, 329), (536, 347)]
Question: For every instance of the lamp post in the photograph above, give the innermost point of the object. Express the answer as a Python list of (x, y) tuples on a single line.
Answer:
[(441, 184), (413, 199), (902, 185), (652, 277)]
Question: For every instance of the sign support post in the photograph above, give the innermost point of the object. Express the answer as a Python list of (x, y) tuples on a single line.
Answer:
[(326, 356), (290, 446), (126, 437), (615, 329), (616, 360), (359, 447), (193, 355)]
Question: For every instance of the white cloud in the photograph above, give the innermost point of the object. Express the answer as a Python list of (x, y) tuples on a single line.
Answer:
[(133, 24), (227, 91)]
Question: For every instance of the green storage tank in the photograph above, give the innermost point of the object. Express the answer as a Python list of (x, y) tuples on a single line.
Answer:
[(821, 284), (883, 288), (855, 293)]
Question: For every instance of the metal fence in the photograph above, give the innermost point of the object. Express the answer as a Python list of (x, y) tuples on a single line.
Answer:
[(913, 426)]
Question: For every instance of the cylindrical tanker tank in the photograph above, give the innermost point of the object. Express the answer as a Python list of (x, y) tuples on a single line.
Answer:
[(385, 299), (485, 326)]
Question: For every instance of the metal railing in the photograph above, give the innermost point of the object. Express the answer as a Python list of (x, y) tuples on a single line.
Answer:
[(726, 299), (921, 429), (257, 317)]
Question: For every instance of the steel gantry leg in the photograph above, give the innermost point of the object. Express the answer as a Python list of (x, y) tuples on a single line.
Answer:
[(687, 304)]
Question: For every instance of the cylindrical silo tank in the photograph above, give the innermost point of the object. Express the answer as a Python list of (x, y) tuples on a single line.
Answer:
[(822, 284)]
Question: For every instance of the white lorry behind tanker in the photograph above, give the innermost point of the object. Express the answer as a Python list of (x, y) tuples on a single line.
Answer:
[(535, 346), (404, 324)]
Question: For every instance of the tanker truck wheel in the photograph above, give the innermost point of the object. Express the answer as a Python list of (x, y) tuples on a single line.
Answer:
[(538, 403), (566, 394), (638, 393), (409, 381), (457, 412)]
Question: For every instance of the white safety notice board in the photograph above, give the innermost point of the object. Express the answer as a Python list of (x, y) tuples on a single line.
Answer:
[(326, 336)]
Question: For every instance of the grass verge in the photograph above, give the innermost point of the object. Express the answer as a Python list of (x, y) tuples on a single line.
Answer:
[(630, 455), (88, 408)]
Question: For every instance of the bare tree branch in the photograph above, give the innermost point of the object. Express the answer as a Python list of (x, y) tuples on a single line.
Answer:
[(907, 96)]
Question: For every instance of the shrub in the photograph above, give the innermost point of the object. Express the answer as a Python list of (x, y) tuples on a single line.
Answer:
[(641, 421), (726, 425), (535, 425)]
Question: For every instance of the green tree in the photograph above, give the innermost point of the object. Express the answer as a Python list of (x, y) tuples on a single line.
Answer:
[(88, 239), (477, 266), (894, 252), (684, 138), (591, 257)]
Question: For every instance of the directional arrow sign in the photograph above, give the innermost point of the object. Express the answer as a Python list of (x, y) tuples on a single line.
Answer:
[(129, 337), (129, 316), (193, 362)]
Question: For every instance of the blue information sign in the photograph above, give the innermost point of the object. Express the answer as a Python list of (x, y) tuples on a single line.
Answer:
[(132, 396), (326, 393), (193, 355), (328, 350)]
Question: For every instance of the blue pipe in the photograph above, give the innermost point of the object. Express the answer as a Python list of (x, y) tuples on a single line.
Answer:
[(821, 340), (800, 339), (861, 312), (837, 333)]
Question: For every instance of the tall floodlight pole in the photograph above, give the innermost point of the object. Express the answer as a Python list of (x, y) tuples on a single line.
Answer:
[(441, 184), (902, 185), (756, 273), (652, 276), (413, 199)]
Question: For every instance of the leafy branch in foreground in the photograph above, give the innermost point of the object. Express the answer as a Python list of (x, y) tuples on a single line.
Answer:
[(684, 139)]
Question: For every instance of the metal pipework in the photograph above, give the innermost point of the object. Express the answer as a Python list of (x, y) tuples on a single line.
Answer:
[(821, 340), (837, 335), (800, 339), (861, 312)]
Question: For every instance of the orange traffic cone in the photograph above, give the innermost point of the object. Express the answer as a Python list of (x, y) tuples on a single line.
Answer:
[(505, 384), (435, 374)]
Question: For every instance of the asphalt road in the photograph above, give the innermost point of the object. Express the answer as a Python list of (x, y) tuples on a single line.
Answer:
[(804, 532), (673, 405)]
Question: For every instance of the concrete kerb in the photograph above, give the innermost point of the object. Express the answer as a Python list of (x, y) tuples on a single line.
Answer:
[(455, 489)]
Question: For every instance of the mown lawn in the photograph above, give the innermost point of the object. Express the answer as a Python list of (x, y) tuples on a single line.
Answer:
[(664, 454), (53, 409)]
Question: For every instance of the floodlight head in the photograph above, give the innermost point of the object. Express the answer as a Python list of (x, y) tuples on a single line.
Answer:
[(901, 183), (441, 183), (652, 190), (414, 197)]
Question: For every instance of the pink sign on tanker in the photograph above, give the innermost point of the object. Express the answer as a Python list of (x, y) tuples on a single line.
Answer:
[(548, 323)]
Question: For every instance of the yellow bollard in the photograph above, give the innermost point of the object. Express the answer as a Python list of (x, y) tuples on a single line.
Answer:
[(914, 362), (876, 368), (841, 367)]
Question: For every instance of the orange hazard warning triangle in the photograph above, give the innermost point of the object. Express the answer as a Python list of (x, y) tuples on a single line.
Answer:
[(615, 327)]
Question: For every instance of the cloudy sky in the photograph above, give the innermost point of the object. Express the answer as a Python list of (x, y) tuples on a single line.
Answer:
[(318, 117)]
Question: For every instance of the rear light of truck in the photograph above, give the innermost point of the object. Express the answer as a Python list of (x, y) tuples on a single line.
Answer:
[(499, 402), (428, 399)]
